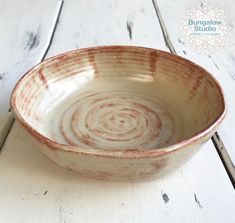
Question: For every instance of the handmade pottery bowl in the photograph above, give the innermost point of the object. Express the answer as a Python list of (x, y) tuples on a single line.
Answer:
[(118, 112)]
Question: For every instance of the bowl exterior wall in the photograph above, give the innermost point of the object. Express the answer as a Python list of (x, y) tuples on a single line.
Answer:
[(121, 169)]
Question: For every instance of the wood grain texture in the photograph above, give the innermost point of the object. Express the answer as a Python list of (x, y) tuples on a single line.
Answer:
[(34, 189), (220, 64), (26, 29), (94, 23)]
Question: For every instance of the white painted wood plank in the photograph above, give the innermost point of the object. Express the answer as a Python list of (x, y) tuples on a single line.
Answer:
[(221, 63), (33, 189), (104, 22), (26, 28), (199, 192)]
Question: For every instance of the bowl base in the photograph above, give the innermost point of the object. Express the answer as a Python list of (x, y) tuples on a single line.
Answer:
[(114, 120)]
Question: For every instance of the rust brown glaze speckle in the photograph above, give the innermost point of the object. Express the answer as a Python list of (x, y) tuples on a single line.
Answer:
[(118, 112), (91, 59), (153, 60), (42, 77)]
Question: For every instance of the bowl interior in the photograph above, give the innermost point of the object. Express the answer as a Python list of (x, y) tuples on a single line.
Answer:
[(118, 98)]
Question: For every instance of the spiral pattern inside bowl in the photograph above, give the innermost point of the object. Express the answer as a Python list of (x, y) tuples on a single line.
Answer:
[(114, 120)]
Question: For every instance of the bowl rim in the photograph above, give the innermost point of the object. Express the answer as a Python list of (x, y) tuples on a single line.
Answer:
[(120, 153)]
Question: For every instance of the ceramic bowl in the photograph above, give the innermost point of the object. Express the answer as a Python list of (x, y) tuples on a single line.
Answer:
[(118, 112)]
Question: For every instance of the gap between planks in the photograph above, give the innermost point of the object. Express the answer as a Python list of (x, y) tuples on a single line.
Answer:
[(8, 123), (217, 141)]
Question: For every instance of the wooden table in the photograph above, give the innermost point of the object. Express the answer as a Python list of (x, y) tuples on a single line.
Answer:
[(33, 189)]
